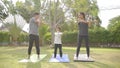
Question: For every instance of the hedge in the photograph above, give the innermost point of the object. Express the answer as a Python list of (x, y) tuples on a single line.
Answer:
[(4, 37), (69, 37), (23, 37), (97, 36)]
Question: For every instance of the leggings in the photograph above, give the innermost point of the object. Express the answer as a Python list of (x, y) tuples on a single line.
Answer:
[(60, 49), (80, 38), (32, 39)]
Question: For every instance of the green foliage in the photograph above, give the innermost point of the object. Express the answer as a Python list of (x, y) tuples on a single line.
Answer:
[(23, 37), (69, 37), (10, 6), (98, 35), (114, 28), (14, 31), (77, 5), (4, 37), (3, 11), (93, 8), (71, 26), (114, 23), (44, 33), (25, 10), (47, 37)]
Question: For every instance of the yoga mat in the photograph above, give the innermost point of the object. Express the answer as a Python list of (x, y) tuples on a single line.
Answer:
[(33, 58), (64, 58), (83, 58)]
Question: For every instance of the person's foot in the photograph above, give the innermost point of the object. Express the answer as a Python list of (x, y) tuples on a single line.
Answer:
[(75, 58), (61, 57), (28, 56), (38, 57), (88, 58), (54, 56)]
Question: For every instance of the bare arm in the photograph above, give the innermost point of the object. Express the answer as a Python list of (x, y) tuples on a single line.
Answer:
[(83, 21)]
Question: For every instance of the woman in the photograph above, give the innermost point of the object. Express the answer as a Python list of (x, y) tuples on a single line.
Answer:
[(82, 34)]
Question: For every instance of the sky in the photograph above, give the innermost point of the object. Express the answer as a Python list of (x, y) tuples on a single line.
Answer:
[(104, 14)]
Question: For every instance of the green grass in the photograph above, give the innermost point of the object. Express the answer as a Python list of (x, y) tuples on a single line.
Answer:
[(104, 58)]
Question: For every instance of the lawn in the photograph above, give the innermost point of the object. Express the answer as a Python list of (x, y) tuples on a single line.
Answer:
[(104, 58)]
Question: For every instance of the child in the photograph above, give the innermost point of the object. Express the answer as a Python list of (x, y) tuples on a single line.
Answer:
[(57, 42)]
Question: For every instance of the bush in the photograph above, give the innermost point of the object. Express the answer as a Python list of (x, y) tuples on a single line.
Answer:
[(69, 37), (47, 37), (97, 37), (23, 37), (4, 37)]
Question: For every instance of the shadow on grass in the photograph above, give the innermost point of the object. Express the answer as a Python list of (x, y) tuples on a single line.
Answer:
[(70, 65), (96, 64), (33, 65)]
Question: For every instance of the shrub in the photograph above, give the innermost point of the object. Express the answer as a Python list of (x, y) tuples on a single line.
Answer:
[(23, 37), (4, 37), (69, 37)]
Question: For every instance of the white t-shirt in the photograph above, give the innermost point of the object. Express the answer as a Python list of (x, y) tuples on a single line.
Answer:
[(57, 39)]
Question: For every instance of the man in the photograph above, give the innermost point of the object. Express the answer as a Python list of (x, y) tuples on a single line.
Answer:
[(34, 34), (82, 34)]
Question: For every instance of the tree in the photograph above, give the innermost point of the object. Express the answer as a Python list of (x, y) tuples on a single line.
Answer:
[(88, 6), (28, 8), (25, 10), (43, 31), (3, 11), (114, 23), (53, 15), (114, 28), (12, 27), (14, 32)]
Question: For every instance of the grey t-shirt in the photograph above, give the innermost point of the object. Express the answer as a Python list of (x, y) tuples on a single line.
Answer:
[(33, 27), (83, 29)]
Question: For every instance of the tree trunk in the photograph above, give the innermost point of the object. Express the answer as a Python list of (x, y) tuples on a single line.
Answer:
[(15, 37)]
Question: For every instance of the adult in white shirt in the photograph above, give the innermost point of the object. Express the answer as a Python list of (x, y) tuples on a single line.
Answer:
[(58, 42)]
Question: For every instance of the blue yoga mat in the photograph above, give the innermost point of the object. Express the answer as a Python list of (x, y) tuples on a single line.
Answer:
[(64, 58)]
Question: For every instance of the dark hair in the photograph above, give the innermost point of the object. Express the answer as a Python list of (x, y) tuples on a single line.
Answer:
[(58, 28), (83, 14), (36, 14)]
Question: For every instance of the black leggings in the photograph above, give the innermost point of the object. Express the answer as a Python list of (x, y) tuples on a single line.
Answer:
[(32, 39), (80, 38), (60, 49)]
